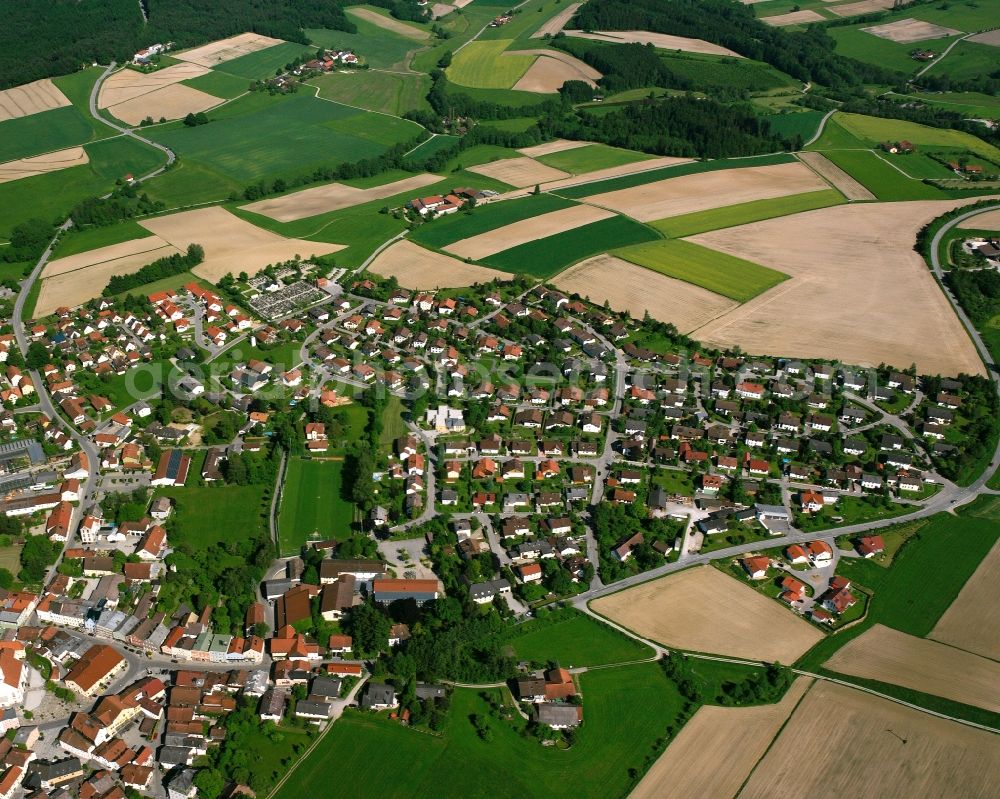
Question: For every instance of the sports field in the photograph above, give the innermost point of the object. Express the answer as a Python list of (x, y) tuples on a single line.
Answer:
[(626, 709), (576, 639), (724, 274), (484, 65), (311, 504), (744, 213)]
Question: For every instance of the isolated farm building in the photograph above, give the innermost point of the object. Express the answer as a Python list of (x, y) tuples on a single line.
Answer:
[(559, 717)]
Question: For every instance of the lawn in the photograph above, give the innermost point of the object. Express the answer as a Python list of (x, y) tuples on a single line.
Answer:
[(140, 382), (264, 63), (482, 65), (674, 481), (724, 274), (385, 92), (393, 424), (311, 504), (627, 711), (591, 158), (693, 168), (10, 558), (455, 227), (744, 213), (545, 257), (207, 515), (255, 138), (219, 84), (576, 640)]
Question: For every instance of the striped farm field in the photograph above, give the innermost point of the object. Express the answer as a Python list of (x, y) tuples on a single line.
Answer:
[(744, 213), (483, 65), (718, 272)]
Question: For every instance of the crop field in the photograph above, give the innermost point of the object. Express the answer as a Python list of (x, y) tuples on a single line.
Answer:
[(802, 123), (224, 50), (717, 749), (875, 129), (577, 640), (627, 287), (661, 41), (545, 257), (379, 18), (287, 136), (42, 164), (382, 49), (714, 72), (744, 213), (43, 132), (695, 610), (484, 65), (590, 158), (836, 176), (626, 710), (880, 178), (207, 515), (855, 741), (551, 70), (990, 220), (521, 171), (732, 277), (433, 146), (385, 92), (887, 655), (263, 63), (417, 268), (219, 84), (972, 622), (447, 230), (312, 507), (825, 309), (31, 98)]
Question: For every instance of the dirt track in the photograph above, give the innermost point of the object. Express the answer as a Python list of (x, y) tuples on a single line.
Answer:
[(699, 192), (973, 620), (503, 238), (858, 292), (42, 164), (333, 197), (31, 98), (888, 655), (664, 41), (716, 750), (417, 268), (838, 178), (628, 287), (841, 742), (215, 53), (520, 172), (703, 610)]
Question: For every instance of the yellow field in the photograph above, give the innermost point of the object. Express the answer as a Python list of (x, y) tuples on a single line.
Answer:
[(41, 164), (417, 268)]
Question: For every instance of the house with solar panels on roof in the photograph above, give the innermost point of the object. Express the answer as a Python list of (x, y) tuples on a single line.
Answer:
[(172, 469)]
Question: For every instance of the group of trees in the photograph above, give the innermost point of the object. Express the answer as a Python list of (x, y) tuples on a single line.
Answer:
[(764, 685), (124, 203), (37, 555), (160, 268)]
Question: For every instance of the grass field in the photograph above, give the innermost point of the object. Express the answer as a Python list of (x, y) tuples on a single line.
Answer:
[(545, 257), (579, 640), (626, 711), (311, 504), (744, 213), (75, 240), (206, 515), (971, 104), (591, 158), (264, 63), (219, 84), (482, 65), (880, 178), (968, 60), (693, 168), (802, 124), (724, 274), (385, 92), (709, 73), (447, 230), (873, 130), (282, 136), (432, 147), (381, 49), (41, 133)]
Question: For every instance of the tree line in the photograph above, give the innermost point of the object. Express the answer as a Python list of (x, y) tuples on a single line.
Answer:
[(160, 268)]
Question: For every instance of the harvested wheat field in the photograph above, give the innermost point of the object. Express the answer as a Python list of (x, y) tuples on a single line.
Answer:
[(503, 238), (170, 102), (555, 24), (31, 98), (888, 655), (551, 70), (127, 84), (439, 10), (77, 278), (699, 192), (844, 742), (988, 220), (215, 53), (973, 620), (332, 197), (858, 292), (417, 268), (664, 41), (627, 287), (716, 750), (836, 176), (792, 18), (42, 164), (862, 7), (557, 146), (910, 30), (519, 172), (704, 610), (389, 24), (231, 244), (987, 37)]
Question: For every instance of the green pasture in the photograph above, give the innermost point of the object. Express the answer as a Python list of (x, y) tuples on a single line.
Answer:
[(968, 60), (312, 505), (264, 63), (219, 84), (385, 92), (432, 147), (743, 213), (880, 177), (378, 47), (40, 133), (590, 158), (803, 123), (545, 257), (724, 274), (972, 104), (76, 240), (483, 65), (876, 129)]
